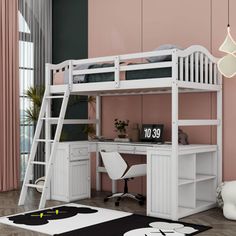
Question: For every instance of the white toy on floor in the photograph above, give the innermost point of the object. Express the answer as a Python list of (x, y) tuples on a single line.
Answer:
[(229, 198)]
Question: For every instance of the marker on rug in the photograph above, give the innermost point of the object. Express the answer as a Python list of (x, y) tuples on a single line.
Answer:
[(57, 212), (41, 215)]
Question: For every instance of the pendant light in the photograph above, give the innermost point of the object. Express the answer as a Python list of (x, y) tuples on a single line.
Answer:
[(227, 64)]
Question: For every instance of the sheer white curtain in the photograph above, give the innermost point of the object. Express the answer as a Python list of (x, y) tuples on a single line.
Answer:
[(35, 27)]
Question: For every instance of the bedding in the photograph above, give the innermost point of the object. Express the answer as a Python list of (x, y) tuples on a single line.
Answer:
[(164, 57)]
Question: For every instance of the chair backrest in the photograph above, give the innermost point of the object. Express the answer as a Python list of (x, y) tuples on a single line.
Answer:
[(114, 164)]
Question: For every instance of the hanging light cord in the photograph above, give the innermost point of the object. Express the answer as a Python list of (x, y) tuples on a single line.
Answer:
[(228, 14)]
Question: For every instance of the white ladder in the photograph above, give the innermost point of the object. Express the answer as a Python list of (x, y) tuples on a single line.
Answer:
[(48, 163)]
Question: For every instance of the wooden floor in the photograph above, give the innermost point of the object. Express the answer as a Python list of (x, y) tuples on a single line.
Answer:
[(8, 206)]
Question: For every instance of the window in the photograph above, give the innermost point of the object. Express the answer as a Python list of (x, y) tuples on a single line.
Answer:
[(26, 67)]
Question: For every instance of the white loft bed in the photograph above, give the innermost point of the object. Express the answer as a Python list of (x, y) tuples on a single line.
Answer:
[(192, 70)]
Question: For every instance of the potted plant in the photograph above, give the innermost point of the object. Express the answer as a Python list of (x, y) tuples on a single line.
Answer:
[(120, 127), (35, 95)]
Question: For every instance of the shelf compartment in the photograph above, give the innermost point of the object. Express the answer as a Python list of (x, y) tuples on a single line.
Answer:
[(187, 166), (187, 195), (206, 163), (206, 191)]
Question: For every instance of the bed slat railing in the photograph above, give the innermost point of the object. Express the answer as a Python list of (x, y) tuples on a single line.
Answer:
[(210, 73), (197, 66), (206, 70), (186, 69), (215, 74), (181, 69), (201, 68), (191, 68)]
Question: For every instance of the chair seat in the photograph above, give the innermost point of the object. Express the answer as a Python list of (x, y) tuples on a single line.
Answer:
[(135, 171), (117, 169)]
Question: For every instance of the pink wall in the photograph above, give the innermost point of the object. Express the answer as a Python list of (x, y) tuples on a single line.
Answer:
[(126, 26)]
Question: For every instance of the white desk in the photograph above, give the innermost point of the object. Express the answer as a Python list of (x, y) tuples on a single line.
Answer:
[(136, 148), (197, 176)]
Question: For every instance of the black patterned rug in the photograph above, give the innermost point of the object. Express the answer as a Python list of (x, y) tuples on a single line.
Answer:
[(80, 220)]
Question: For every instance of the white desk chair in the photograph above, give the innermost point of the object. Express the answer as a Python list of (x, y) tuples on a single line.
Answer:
[(117, 169)]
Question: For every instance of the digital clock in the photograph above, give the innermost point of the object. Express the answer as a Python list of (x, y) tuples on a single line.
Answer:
[(152, 132)]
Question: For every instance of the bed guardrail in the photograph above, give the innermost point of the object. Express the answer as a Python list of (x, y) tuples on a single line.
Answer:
[(195, 65)]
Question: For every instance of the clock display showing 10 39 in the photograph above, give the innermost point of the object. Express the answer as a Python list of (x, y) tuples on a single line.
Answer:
[(152, 132)]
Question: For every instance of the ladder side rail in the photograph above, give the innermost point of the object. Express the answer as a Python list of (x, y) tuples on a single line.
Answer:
[(54, 148), (33, 150)]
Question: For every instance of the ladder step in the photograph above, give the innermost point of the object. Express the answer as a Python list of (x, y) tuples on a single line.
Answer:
[(51, 118), (34, 186), (44, 140), (38, 163), (51, 97)]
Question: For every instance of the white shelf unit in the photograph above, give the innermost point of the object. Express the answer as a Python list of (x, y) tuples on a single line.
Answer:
[(189, 69), (197, 180), (71, 172)]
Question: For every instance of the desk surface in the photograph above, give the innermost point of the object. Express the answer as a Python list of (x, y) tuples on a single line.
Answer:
[(141, 147)]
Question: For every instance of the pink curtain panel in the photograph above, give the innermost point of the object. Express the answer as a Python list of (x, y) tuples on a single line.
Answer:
[(9, 96)]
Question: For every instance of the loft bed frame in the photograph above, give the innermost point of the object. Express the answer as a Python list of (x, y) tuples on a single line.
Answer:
[(192, 70)]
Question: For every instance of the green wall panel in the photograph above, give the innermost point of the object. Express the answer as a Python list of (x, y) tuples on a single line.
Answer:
[(70, 29), (70, 41)]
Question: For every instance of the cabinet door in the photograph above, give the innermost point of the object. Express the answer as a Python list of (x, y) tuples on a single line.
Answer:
[(79, 172), (60, 175)]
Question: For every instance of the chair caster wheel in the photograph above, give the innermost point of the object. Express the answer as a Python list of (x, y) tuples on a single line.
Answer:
[(141, 203), (105, 199), (117, 204)]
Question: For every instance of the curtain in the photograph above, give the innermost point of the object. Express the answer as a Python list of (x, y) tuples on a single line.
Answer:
[(38, 16), (9, 96)]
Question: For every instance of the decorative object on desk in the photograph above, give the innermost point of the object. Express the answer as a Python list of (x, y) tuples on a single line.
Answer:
[(227, 64), (183, 137), (229, 199), (120, 127), (152, 133)]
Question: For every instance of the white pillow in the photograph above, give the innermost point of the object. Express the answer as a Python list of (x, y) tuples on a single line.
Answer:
[(165, 57)]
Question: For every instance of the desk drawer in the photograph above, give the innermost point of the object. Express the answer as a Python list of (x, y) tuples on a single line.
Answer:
[(78, 152), (108, 147), (126, 149)]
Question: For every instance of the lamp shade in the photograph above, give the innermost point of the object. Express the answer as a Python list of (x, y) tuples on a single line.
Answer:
[(227, 65), (229, 45)]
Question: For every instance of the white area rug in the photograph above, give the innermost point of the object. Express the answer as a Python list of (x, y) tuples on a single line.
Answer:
[(58, 226)]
